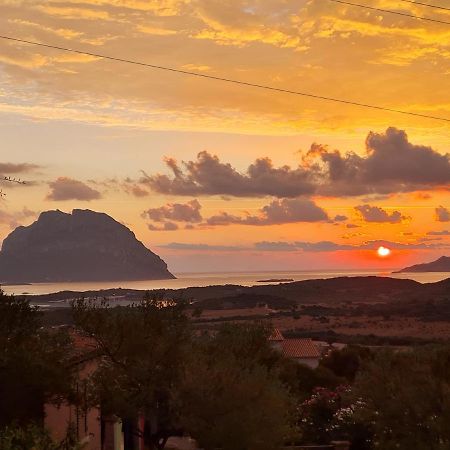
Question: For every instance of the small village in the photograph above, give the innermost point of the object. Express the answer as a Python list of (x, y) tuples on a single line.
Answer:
[(142, 377)]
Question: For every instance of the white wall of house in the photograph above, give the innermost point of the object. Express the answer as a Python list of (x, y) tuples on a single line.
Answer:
[(310, 362)]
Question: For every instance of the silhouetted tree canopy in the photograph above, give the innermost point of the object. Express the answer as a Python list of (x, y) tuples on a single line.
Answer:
[(144, 348), (33, 363), (232, 397)]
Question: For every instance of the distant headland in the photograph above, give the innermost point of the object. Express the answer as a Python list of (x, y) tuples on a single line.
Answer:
[(440, 265)]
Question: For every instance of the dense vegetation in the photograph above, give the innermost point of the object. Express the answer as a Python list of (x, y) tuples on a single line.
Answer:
[(227, 388)]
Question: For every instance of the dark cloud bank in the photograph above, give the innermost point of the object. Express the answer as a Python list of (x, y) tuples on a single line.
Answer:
[(379, 215), (276, 212), (391, 164)]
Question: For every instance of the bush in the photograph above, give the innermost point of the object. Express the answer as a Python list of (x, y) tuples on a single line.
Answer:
[(34, 437)]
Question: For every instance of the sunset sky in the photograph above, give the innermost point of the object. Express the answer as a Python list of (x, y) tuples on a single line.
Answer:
[(215, 176)]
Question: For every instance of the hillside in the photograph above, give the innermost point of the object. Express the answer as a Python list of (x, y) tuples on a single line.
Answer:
[(284, 295)]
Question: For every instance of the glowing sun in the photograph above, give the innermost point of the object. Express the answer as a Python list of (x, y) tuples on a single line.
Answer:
[(383, 252)]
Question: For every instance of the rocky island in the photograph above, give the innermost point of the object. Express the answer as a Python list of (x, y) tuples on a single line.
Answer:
[(82, 246), (440, 265)]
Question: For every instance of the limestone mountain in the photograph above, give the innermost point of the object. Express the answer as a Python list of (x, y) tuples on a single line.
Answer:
[(82, 246)]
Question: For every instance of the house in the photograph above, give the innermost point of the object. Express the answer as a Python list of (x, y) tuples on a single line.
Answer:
[(304, 350), (92, 429), (99, 432), (81, 419)]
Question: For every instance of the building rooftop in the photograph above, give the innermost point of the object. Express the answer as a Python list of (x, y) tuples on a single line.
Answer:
[(276, 335), (300, 348)]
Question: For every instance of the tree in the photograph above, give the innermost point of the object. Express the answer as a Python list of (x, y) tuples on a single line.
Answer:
[(232, 397), (406, 397), (143, 349), (346, 363), (33, 362), (302, 380)]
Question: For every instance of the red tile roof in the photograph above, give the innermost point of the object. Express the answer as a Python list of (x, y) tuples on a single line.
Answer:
[(276, 335), (300, 348)]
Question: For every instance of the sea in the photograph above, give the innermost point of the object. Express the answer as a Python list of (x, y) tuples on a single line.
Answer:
[(185, 280)]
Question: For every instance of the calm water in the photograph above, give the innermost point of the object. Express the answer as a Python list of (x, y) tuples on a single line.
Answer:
[(206, 279)]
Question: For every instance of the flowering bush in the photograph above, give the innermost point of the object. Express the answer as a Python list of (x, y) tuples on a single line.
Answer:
[(317, 414), (333, 415)]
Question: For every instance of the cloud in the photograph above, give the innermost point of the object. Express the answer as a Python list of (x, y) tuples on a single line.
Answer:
[(128, 185), (313, 247), (166, 226), (225, 218), (237, 26), (442, 214), (322, 246), (11, 168), (262, 31), (392, 164), (69, 189), (279, 246), (276, 213), (14, 219), (178, 212), (168, 214), (201, 247), (373, 245), (439, 233), (379, 215), (340, 218), (292, 210), (136, 190), (209, 176)]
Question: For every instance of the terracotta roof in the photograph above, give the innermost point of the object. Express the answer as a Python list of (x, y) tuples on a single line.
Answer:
[(300, 348), (276, 335)]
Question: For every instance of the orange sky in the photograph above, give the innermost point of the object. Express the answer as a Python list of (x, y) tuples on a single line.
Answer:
[(92, 133)]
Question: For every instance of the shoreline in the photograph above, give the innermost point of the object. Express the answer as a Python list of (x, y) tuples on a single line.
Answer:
[(118, 294), (191, 281)]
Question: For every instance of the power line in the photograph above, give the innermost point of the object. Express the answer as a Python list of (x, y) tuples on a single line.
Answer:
[(227, 80), (425, 4), (389, 11)]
